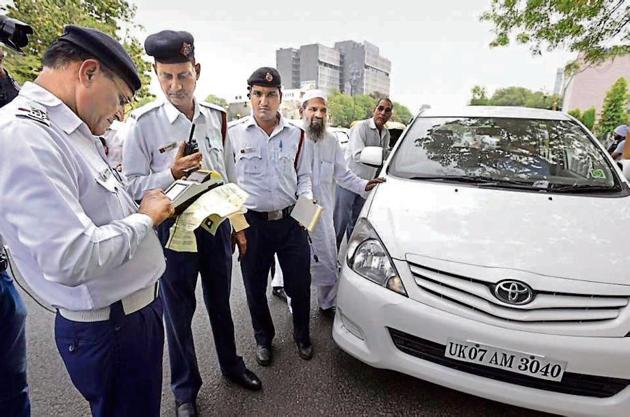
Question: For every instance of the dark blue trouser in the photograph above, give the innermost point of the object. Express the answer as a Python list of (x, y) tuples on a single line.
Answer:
[(116, 364), (288, 240), (348, 205), (214, 262), (14, 400)]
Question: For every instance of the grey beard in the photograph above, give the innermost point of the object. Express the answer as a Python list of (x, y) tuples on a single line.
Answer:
[(315, 132)]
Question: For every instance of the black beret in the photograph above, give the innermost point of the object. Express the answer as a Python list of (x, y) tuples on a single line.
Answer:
[(106, 49), (265, 76), (169, 46)]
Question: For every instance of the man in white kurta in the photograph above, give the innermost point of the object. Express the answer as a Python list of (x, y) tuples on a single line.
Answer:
[(329, 167)]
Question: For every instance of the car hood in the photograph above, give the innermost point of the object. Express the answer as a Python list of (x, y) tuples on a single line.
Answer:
[(568, 236)]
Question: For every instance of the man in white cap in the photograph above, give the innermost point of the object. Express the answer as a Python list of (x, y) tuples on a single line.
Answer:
[(620, 134), (329, 166)]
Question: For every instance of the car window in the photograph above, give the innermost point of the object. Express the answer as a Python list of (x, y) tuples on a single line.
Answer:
[(544, 154)]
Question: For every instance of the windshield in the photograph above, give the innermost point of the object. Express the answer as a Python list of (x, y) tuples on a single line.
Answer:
[(548, 155)]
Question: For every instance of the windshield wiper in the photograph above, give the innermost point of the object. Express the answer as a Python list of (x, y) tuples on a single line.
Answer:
[(582, 188), (482, 181)]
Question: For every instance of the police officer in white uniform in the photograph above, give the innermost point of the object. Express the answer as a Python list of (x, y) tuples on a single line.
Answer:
[(76, 235), (152, 158), (273, 162)]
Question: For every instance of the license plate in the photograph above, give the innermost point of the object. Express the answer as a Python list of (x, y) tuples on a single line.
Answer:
[(518, 362)]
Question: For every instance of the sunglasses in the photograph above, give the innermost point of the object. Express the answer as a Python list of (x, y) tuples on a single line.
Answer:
[(384, 109)]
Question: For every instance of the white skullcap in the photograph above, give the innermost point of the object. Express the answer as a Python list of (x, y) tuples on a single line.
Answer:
[(310, 94), (621, 130)]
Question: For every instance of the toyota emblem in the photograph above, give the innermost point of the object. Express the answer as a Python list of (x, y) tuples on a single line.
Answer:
[(513, 292)]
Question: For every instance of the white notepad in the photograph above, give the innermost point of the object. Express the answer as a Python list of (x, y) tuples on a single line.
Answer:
[(307, 213)]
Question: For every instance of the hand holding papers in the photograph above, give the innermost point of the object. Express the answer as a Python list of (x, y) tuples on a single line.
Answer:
[(307, 213), (208, 211)]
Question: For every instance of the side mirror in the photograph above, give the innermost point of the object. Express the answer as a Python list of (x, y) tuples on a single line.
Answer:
[(373, 156)]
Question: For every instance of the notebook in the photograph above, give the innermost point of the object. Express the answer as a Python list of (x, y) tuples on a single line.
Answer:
[(307, 213)]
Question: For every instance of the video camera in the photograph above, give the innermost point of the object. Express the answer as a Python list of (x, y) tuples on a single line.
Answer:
[(14, 33)]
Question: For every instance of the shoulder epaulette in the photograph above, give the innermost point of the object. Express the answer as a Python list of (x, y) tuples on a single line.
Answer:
[(238, 122), (212, 106), (34, 111), (147, 108)]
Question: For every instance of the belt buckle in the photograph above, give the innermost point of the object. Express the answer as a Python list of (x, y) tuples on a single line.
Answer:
[(274, 215)]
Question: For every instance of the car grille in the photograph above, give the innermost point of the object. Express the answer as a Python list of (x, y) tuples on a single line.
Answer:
[(572, 383), (546, 306)]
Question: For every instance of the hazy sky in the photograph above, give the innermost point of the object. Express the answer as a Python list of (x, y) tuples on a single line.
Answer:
[(438, 49)]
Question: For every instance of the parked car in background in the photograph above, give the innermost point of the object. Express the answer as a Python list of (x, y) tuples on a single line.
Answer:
[(494, 261), (342, 135)]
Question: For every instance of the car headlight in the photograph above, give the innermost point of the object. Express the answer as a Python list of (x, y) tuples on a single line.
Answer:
[(368, 257)]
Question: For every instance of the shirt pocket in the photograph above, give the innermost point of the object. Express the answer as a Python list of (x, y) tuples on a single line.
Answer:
[(326, 172), (215, 153), (102, 200), (249, 161), (286, 160)]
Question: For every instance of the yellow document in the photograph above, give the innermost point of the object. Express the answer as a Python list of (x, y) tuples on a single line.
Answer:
[(208, 211)]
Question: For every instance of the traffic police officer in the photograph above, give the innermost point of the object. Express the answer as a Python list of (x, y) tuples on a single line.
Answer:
[(152, 158), (77, 236), (273, 166), (9, 89)]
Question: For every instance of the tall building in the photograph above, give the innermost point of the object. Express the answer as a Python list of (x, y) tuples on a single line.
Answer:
[(559, 81), (350, 67), (288, 65)]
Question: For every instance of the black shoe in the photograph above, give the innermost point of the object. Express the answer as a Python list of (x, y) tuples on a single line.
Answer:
[(263, 355), (305, 350), (329, 313), (279, 292), (247, 379), (185, 409)]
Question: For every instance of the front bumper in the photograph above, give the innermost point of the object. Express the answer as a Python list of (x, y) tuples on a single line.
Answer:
[(368, 315)]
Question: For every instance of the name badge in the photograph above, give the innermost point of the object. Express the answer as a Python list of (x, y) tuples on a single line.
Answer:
[(248, 150), (168, 147)]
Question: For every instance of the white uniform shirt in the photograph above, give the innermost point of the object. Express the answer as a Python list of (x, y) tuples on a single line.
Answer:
[(363, 134), (265, 165), (153, 134), (72, 228)]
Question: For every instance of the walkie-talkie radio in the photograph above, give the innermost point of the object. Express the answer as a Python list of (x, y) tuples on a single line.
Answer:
[(191, 146)]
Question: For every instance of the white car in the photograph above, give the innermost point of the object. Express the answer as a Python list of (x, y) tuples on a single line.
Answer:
[(495, 261), (342, 134)]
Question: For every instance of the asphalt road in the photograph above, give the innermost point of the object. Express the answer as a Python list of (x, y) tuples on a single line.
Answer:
[(332, 384)]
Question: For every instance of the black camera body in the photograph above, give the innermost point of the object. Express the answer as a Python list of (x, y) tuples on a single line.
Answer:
[(14, 33)]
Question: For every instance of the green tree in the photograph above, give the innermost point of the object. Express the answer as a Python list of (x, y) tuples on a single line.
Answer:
[(514, 96), (217, 100), (595, 29), (340, 109), (401, 113), (614, 111), (48, 17), (363, 106), (479, 96), (587, 117), (577, 113)]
